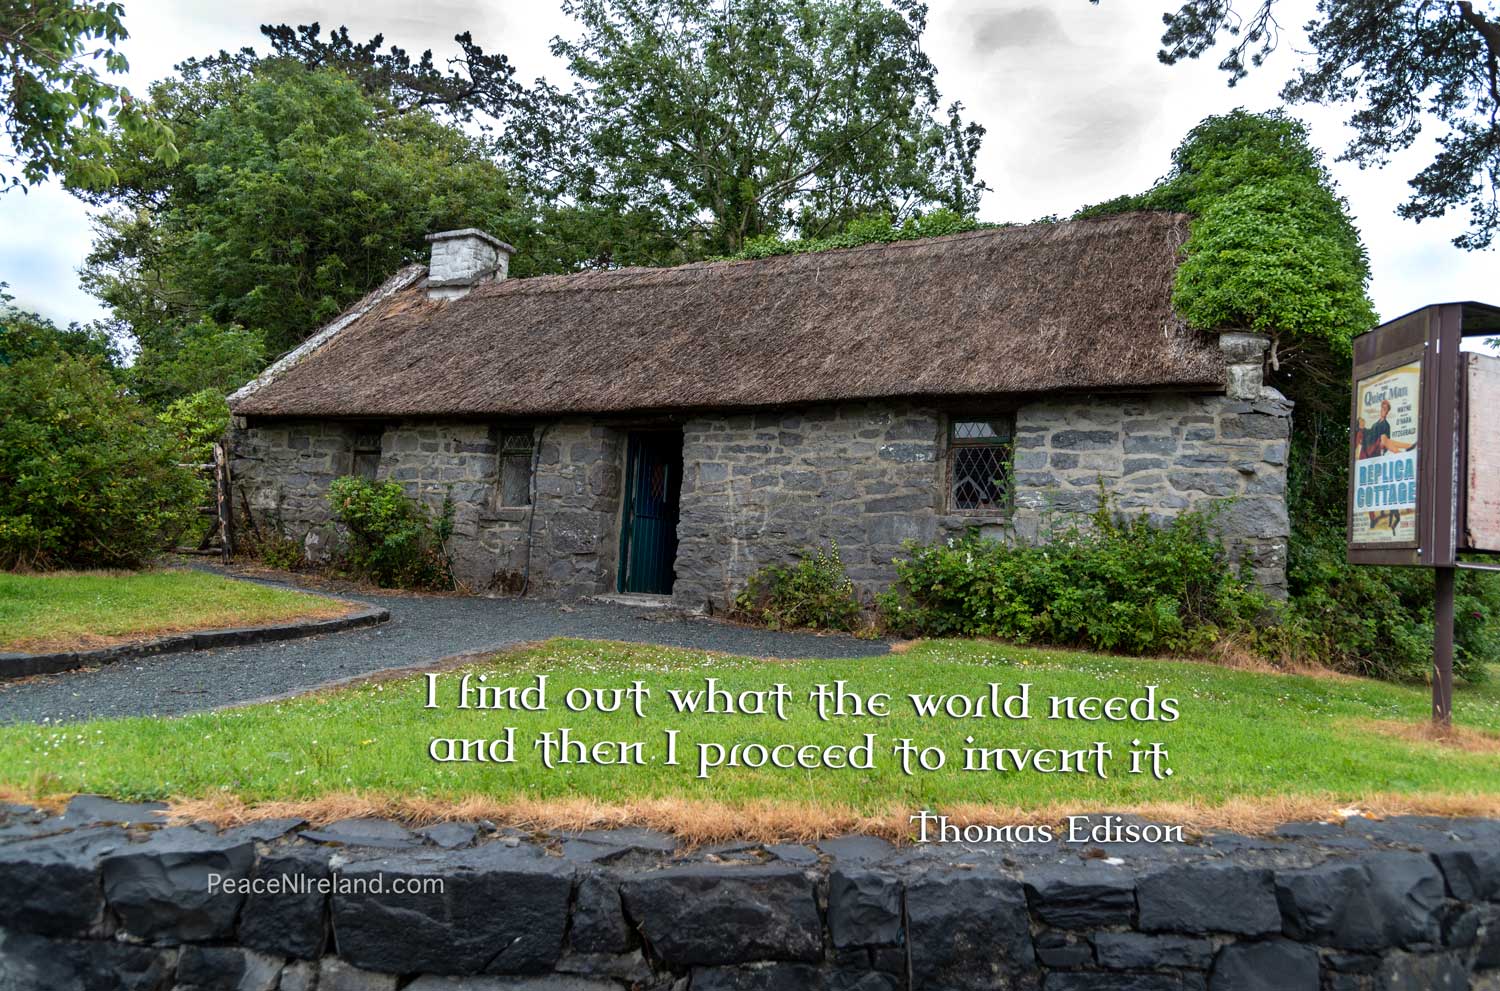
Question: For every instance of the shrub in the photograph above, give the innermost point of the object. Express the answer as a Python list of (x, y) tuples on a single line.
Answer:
[(88, 477), (199, 421), (815, 593), (394, 541), (1113, 584), (1378, 621)]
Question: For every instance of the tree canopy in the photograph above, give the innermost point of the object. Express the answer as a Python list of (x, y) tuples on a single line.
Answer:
[(710, 125), (55, 96), (296, 192), (1393, 62)]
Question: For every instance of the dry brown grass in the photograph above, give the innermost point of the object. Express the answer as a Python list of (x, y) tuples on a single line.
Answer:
[(770, 821), (1461, 738)]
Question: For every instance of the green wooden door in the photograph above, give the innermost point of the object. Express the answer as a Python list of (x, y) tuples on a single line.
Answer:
[(648, 538)]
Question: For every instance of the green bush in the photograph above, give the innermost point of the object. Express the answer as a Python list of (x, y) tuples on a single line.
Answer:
[(199, 421), (815, 593), (88, 477), (1114, 584), (394, 541), (1378, 621)]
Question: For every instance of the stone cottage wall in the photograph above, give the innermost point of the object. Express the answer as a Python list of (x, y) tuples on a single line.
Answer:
[(758, 489), (285, 468)]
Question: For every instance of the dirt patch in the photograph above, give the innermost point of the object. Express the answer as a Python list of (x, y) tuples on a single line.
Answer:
[(1460, 738)]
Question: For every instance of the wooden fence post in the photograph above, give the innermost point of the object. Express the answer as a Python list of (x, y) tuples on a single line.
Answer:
[(224, 500)]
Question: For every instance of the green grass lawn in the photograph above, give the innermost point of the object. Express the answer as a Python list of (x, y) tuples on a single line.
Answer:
[(1240, 735), (70, 609)]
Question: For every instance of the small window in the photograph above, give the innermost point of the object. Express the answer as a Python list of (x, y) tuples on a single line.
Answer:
[(979, 466), (513, 454), (367, 454)]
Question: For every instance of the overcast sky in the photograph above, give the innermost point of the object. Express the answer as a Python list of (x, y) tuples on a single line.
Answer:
[(1077, 107)]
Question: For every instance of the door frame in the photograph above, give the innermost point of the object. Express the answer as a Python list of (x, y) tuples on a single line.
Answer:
[(633, 438)]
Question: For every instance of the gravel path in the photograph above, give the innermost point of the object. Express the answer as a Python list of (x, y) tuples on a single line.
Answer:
[(422, 629)]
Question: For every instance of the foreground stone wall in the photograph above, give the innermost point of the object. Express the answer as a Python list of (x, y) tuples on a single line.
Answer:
[(284, 469), (94, 901)]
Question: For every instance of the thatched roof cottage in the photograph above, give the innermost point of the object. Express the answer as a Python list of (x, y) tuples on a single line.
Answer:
[(668, 431)]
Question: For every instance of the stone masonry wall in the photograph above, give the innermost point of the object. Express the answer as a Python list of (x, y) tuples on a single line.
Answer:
[(759, 489), (285, 468), (94, 901)]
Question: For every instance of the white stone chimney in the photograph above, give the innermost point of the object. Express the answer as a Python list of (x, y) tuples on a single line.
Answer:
[(463, 259)]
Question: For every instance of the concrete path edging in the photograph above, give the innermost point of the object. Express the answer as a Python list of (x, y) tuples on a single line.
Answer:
[(17, 665)]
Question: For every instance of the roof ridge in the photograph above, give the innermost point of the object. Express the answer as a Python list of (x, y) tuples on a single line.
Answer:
[(578, 281)]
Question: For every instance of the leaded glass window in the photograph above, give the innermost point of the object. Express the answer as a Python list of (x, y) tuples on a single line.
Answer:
[(980, 454), (513, 456)]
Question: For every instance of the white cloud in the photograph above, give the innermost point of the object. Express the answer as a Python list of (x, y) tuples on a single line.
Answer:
[(1077, 106)]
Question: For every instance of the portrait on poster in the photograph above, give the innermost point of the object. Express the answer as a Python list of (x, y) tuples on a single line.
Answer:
[(1385, 457)]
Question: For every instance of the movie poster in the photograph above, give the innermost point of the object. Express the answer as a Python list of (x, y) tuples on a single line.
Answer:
[(1385, 451)]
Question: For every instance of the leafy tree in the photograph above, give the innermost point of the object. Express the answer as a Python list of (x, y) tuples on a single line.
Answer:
[(29, 335), (475, 83), (723, 123), (296, 192), (177, 361), (88, 477), (56, 104), (1394, 62)]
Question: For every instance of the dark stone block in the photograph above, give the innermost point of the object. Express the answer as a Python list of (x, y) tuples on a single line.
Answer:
[(1085, 440), (1134, 466), (1082, 897), (1413, 972), (1471, 875), (160, 888), (501, 910), (1255, 426), (1096, 981), (599, 924), (90, 810), (1209, 898), (857, 849), (864, 907), (51, 885), (1137, 951), (967, 930), (375, 833), (789, 977), (226, 968), (1150, 444), (33, 963), (450, 835), (702, 915), (1274, 965), (1055, 948), (291, 923)]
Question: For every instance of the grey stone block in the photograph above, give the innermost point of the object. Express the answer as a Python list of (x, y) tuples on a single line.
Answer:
[(1081, 897), (290, 923), (52, 884), (1209, 898), (1273, 965), (1138, 951), (227, 968), (967, 930), (501, 910), (864, 907), (1085, 440), (161, 891), (599, 924), (337, 975), (29, 962)]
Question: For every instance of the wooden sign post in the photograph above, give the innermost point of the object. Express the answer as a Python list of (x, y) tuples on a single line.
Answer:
[(1424, 469)]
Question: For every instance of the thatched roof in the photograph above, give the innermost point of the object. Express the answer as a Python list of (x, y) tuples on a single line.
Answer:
[(1078, 306)]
